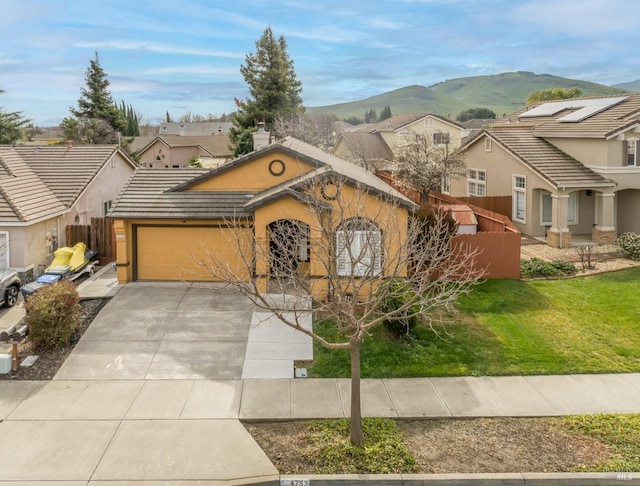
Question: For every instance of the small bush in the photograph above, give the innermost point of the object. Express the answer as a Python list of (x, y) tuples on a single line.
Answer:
[(566, 268), (398, 293), (538, 268), (629, 245), (53, 314)]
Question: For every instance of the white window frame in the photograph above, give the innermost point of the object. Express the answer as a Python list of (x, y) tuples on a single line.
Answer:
[(358, 251), (5, 249), (631, 152), (572, 207), (519, 210), (547, 196), (487, 144), (106, 206), (446, 184), (428, 122), (476, 182)]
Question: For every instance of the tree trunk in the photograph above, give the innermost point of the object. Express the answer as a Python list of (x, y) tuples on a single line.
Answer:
[(356, 414)]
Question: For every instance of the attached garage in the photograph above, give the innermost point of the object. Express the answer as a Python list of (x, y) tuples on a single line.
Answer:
[(179, 252)]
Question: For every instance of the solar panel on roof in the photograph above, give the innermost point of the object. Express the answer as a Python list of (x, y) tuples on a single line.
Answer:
[(584, 108)]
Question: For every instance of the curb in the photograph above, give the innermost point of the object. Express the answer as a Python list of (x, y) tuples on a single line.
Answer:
[(509, 479)]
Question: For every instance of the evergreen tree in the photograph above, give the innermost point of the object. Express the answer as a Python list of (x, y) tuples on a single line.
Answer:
[(96, 108), (371, 116), (274, 89), (385, 113), (11, 125)]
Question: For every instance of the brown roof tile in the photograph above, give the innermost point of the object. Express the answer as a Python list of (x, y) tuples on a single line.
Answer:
[(546, 159), (24, 197)]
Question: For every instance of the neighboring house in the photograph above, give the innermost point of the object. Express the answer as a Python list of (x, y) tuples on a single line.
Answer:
[(571, 167), (372, 146), (174, 151), (45, 188), (195, 129), (166, 221)]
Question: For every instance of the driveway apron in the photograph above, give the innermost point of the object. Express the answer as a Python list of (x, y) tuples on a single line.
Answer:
[(164, 330)]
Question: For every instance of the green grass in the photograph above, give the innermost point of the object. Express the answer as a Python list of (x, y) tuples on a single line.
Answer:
[(506, 327)]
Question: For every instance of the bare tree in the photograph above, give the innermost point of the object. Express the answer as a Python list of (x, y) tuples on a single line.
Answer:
[(314, 128), (422, 165), (341, 249)]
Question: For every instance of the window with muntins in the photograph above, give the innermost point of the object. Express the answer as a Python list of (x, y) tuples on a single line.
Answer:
[(519, 193), (632, 152), (358, 249), (441, 138), (477, 182)]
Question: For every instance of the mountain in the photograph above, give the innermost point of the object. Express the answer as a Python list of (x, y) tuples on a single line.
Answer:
[(502, 93), (630, 86)]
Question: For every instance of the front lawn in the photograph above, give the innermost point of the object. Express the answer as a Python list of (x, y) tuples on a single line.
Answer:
[(506, 327)]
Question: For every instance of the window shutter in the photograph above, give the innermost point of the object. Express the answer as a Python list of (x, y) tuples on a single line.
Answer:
[(342, 256)]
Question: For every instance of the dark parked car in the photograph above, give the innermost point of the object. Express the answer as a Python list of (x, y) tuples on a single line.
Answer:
[(9, 287)]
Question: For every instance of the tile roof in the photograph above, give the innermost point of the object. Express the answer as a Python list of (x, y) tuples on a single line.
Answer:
[(68, 171), (148, 195), (367, 146), (216, 145), (163, 194), (398, 121), (24, 197), (602, 124), (546, 159)]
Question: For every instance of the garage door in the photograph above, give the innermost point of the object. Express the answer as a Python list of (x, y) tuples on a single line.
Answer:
[(177, 253)]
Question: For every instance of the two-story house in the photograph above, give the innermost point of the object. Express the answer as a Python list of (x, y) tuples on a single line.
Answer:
[(372, 146), (571, 167)]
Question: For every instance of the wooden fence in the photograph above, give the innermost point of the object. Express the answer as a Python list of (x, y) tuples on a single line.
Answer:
[(497, 204), (98, 236)]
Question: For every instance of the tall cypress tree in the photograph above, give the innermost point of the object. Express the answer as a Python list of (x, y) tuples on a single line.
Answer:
[(273, 86)]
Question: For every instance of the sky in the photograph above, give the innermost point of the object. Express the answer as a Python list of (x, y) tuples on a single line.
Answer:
[(185, 56)]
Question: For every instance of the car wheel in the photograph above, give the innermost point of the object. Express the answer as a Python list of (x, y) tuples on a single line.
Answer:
[(11, 296)]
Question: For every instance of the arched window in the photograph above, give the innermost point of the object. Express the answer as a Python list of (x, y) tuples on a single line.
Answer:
[(358, 249)]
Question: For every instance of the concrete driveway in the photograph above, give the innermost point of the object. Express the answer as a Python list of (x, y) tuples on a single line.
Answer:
[(164, 330)]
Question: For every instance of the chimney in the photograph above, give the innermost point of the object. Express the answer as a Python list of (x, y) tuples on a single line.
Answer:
[(261, 138), (69, 144)]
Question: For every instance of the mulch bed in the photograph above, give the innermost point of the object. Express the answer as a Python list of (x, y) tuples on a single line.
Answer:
[(49, 362)]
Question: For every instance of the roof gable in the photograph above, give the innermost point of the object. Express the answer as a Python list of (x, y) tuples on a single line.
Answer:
[(68, 171), (24, 197), (544, 158)]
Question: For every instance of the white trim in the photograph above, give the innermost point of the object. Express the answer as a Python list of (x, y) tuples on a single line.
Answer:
[(520, 191), (23, 224), (7, 252)]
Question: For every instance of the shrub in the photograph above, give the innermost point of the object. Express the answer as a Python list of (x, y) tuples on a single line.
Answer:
[(397, 293), (566, 268), (53, 314), (537, 268), (629, 245)]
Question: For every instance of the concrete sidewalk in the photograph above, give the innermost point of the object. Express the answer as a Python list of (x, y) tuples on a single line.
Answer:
[(166, 421), (188, 430)]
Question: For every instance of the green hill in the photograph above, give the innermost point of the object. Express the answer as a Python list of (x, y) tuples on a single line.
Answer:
[(501, 93), (630, 86)]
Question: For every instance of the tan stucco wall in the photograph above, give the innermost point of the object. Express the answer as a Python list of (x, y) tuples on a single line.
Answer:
[(501, 167), (105, 187), (28, 245), (254, 175), (628, 220)]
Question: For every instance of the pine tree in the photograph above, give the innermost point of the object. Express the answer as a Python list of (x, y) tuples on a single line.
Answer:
[(95, 108), (11, 125), (273, 86), (385, 113)]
